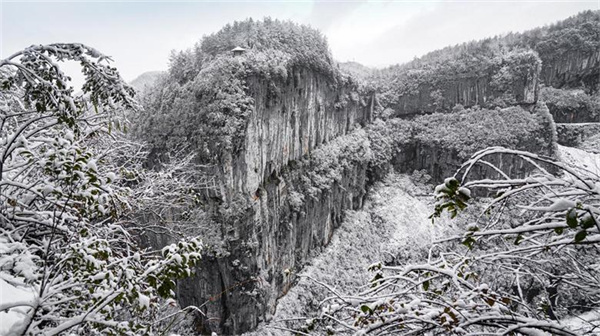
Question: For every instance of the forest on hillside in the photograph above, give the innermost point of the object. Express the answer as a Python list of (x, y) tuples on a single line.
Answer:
[(280, 192)]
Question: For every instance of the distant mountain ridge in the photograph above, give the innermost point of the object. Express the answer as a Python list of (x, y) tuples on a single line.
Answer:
[(147, 79), (356, 69)]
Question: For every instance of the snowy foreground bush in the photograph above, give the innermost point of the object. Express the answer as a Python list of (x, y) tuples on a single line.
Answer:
[(67, 262), (528, 263)]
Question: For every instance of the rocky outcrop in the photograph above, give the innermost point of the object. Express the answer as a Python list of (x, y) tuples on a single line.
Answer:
[(467, 92), (571, 105), (303, 162), (581, 115), (289, 120), (440, 144), (501, 81), (441, 163)]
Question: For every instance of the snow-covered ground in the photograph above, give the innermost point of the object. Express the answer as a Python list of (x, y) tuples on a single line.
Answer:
[(581, 324), (580, 158), (392, 226), (11, 294)]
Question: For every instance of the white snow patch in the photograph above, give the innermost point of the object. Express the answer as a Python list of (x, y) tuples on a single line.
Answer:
[(580, 158), (14, 316), (586, 323), (144, 301)]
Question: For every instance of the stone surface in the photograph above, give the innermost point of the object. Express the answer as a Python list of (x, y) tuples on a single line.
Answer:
[(572, 70)]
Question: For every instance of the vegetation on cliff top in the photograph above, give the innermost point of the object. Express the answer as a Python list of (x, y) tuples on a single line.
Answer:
[(306, 46), (465, 131), (206, 87), (470, 130), (579, 33), (571, 105)]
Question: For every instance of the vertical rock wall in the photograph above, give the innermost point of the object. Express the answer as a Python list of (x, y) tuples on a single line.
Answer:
[(290, 119), (269, 229), (467, 91), (572, 70)]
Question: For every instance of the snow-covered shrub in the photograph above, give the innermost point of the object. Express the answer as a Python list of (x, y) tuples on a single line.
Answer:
[(62, 224)]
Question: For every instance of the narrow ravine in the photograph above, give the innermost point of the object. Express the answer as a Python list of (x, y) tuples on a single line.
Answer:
[(392, 225)]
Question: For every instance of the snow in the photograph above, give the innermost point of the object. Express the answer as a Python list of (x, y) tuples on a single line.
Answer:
[(10, 294), (580, 158), (562, 204), (472, 227), (465, 191), (584, 323), (111, 176), (144, 301)]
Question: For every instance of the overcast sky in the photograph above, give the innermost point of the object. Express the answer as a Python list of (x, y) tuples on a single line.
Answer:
[(139, 35)]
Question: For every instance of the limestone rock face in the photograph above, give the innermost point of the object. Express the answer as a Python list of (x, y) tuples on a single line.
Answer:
[(468, 91), (290, 119), (269, 229), (441, 163), (572, 70)]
